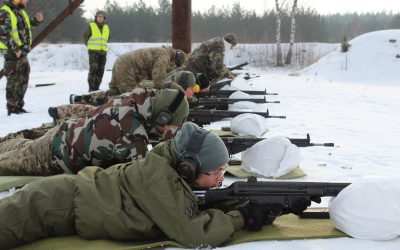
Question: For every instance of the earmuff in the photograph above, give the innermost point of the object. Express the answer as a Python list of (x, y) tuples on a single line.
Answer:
[(189, 162), (164, 117)]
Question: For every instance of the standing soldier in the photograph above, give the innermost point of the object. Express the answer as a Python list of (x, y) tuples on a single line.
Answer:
[(15, 44), (96, 38), (209, 58)]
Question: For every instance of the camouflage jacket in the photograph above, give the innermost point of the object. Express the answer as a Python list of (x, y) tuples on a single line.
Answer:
[(112, 133), (209, 59), (147, 64), (23, 31)]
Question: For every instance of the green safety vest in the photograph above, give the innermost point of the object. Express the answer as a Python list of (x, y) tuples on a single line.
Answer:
[(14, 29), (98, 40)]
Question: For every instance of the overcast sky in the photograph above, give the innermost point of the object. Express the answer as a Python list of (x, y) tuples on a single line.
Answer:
[(322, 6)]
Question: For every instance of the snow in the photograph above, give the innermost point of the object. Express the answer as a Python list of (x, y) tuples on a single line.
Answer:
[(358, 109)]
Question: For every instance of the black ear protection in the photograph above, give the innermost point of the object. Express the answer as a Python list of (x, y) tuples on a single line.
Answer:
[(164, 117), (189, 162)]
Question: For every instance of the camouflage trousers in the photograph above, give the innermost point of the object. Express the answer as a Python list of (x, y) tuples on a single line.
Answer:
[(32, 134), (44, 209), (124, 79), (17, 72), (28, 157), (73, 111), (97, 63)]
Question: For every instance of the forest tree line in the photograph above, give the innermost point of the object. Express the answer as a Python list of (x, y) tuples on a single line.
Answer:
[(140, 22)]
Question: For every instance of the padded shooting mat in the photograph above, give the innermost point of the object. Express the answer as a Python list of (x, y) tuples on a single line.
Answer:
[(240, 172), (8, 182), (288, 227)]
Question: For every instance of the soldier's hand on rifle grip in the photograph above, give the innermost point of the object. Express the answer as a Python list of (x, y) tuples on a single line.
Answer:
[(254, 217), (300, 205)]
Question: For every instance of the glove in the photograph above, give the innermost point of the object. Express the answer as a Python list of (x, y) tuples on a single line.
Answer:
[(254, 217), (302, 203)]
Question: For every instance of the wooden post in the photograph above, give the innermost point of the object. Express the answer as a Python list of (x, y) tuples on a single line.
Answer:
[(182, 25)]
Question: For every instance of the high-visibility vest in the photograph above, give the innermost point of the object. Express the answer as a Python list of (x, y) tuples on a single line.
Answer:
[(14, 29), (98, 40)]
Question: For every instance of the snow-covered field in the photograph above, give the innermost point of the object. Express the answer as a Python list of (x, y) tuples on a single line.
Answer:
[(357, 107)]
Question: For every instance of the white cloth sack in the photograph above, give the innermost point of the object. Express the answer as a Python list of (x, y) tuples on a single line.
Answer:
[(272, 157), (244, 106), (368, 209), (249, 124)]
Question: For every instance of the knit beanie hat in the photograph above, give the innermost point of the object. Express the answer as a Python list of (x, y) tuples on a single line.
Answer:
[(202, 80), (162, 102), (185, 78), (231, 38), (213, 153)]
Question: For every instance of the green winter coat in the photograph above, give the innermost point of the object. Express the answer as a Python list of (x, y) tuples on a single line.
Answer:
[(147, 199)]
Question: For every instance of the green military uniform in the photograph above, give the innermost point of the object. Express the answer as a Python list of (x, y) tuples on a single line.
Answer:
[(141, 200), (15, 35), (209, 59), (112, 133), (96, 38), (142, 64)]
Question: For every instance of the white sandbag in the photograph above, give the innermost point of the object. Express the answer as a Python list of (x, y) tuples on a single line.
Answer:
[(240, 95), (249, 124), (244, 106), (228, 87), (368, 209), (272, 157)]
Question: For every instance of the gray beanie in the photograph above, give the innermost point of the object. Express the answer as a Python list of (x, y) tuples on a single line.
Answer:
[(213, 153)]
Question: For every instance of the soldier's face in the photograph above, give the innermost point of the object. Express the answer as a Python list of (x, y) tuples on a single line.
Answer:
[(100, 18), (211, 179), (21, 3)]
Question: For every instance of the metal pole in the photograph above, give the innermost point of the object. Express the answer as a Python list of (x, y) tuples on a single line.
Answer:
[(181, 25)]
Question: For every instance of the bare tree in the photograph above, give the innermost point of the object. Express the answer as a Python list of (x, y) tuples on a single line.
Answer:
[(279, 62), (288, 60)]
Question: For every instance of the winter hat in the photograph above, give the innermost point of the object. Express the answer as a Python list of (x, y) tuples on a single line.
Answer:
[(185, 78), (249, 124), (272, 157), (202, 80), (180, 57), (162, 102), (213, 153), (231, 38)]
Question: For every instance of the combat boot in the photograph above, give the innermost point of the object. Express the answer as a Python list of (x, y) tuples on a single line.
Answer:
[(75, 99)]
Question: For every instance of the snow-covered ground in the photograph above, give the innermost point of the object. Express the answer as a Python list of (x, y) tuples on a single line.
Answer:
[(358, 109)]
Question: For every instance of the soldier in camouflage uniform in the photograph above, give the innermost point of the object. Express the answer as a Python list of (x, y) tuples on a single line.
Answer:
[(15, 44), (96, 38), (115, 132), (209, 58), (137, 68)]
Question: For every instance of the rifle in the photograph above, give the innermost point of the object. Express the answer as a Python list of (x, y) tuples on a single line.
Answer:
[(239, 66), (223, 103), (274, 197), (202, 117), (227, 93), (239, 144), (220, 84)]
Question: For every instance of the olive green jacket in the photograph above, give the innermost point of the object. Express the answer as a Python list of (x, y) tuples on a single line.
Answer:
[(147, 199)]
